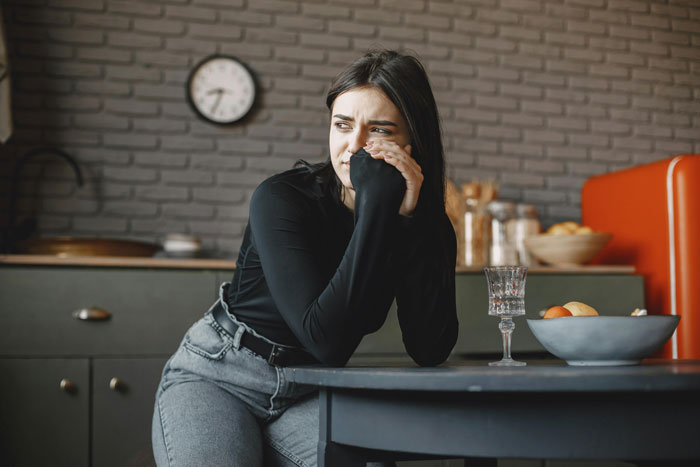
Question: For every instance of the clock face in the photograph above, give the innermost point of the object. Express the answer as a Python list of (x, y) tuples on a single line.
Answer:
[(221, 89)]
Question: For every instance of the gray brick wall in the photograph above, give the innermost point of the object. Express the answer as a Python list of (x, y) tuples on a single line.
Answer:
[(538, 94)]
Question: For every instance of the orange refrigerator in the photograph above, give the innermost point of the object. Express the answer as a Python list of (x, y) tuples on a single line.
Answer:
[(653, 212)]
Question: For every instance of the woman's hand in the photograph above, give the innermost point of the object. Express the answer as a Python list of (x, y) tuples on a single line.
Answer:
[(401, 159)]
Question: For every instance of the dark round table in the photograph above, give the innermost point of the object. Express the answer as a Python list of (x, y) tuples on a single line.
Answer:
[(546, 410)]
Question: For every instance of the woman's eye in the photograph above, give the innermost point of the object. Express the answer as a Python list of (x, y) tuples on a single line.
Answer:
[(342, 126), (382, 131)]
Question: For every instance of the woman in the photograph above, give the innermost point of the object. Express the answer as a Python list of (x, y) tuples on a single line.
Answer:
[(327, 249)]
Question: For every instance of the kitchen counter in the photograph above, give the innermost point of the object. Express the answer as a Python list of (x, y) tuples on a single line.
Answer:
[(119, 261), (229, 264)]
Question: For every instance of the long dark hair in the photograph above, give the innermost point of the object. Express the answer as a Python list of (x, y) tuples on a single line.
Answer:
[(404, 81)]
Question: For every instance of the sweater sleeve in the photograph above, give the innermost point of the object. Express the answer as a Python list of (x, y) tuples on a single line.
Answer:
[(425, 294), (329, 317)]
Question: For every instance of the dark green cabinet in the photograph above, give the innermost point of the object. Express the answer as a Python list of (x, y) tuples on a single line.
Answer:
[(44, 412), (50, 410), (110, 363)]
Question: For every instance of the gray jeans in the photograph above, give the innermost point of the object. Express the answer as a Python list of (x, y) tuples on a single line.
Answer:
[(219, 404)]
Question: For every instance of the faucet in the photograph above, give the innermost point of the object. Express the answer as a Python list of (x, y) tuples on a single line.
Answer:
[(14, 232)]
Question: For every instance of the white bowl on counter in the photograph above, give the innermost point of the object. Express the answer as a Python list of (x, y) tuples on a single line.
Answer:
[(566, 250), (182, 246)]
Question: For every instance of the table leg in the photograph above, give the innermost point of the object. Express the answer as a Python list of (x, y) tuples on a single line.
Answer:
[(331, 454)]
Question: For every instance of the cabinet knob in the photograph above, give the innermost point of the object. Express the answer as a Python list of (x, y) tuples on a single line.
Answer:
[(92, 313), (116, 384), (67, 385)]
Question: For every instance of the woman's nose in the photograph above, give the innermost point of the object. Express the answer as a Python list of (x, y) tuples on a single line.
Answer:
[(358, 141)]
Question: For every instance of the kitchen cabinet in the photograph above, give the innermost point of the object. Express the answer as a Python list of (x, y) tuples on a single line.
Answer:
[(80, 392), (110, 363), (44, 422)]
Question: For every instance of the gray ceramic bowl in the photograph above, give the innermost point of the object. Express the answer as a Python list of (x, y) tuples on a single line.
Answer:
[(603, 340)]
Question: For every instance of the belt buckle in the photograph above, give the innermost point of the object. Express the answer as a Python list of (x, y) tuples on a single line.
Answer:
[(272, 359)]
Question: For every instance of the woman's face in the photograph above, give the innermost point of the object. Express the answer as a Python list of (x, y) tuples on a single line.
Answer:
[(357, 116)]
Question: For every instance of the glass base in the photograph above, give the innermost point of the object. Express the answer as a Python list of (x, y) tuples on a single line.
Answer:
[(507, 362)]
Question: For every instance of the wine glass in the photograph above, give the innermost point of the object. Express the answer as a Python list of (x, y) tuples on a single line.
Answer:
[(506, 300)]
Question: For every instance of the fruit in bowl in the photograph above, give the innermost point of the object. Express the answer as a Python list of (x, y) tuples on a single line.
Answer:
[(556, 312), (570, 309), (594, 340), (567, 244)]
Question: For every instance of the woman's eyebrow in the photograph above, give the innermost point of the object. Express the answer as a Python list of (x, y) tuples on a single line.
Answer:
[(382, 123), (371, 122)]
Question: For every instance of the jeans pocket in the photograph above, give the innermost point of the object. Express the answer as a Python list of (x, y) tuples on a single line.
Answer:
[(206, 341)]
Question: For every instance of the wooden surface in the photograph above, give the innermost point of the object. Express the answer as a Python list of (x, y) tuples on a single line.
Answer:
[(114, 261), (592, 269), (212, 263)]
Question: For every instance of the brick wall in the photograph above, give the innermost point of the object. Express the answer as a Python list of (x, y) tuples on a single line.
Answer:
[(539, 94)]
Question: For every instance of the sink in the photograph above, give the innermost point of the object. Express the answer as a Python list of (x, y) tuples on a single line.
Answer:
[(87, 246)]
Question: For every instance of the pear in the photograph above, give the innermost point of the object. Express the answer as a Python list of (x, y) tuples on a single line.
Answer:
[(580, 309)]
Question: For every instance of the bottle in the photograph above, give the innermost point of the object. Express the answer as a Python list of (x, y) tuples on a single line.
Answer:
[(502, 251), (525, 224)]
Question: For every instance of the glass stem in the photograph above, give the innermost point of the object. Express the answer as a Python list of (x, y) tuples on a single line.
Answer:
[(506, 326)]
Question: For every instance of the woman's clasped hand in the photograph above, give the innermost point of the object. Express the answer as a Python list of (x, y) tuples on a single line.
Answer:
[(376, 182), (400, 158)]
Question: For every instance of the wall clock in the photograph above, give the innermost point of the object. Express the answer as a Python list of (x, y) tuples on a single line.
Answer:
[(221, 89)]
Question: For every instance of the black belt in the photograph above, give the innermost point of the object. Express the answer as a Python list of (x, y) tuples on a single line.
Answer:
[(274, 354)]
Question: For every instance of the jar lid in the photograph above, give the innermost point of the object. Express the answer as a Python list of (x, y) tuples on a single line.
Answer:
[(526, 210), (501, 209)]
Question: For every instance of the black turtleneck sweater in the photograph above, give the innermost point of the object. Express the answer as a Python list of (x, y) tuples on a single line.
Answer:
[(313, 273)]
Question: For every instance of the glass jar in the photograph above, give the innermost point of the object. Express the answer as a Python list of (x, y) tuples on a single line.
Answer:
[(525, 224), (502, 251), (475, 233)]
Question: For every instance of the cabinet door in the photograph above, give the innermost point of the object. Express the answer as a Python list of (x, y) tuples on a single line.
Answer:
[(123, 397), (42, 423)]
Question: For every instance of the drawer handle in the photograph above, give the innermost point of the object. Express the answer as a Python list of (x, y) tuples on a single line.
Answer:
[(92, 314), (67, 385), (116, 384)]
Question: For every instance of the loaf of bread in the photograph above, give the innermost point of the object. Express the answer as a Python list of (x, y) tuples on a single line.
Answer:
[(568, 228)]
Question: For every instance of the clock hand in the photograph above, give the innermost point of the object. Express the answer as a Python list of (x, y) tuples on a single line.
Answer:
[(216, 91), (217, 102)]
